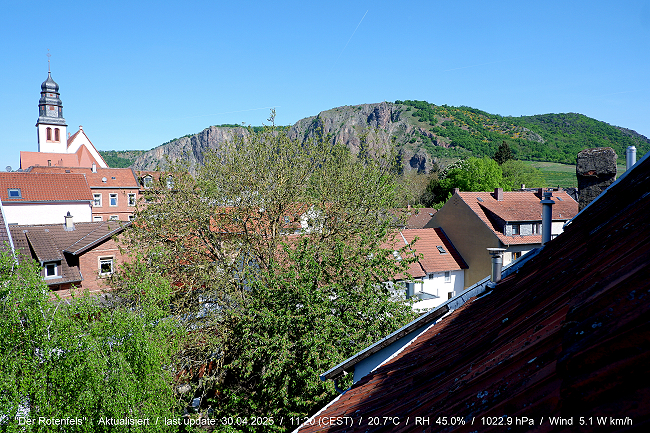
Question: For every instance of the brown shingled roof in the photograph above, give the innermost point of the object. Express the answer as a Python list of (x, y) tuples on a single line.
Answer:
[(51, 242), (567, 335), (44, 187)]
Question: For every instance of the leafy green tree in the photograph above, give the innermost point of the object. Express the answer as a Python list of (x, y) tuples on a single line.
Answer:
[(503, 154), (277, 250), (517, 173), (81, 360)]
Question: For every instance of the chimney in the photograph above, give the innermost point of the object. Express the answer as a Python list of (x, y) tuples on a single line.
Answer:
[(497, 263), (498, 194), (595, 171), (523, 186), (630, 157), (94, 169), (547, 216), (69, 223), (455, 191)]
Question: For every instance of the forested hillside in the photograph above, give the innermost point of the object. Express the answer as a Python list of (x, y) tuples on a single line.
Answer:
[(424, 135)]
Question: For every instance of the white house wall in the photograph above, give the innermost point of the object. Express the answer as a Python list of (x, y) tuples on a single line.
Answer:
[(437, 286), (50, 213)]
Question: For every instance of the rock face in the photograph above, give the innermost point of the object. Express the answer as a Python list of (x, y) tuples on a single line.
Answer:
[(367, 128), (595, 170), (190, 149)]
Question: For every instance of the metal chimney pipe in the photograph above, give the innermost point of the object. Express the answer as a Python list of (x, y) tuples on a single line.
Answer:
[(630, 157), (547, 215), (497, 263)]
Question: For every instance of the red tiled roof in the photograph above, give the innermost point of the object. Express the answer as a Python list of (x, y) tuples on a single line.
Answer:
[(115, 177), (44, 187), (518, 206), (567, 335), (430, 259)]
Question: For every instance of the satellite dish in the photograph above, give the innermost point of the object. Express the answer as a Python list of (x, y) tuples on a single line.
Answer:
[(8, 168)]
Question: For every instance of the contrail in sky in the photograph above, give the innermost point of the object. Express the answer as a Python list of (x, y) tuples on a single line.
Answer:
[(346, 44)]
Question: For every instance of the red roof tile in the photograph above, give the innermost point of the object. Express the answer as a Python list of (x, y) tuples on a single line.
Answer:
[(566, 335), (44, 187), (115, 177), (517, 206)]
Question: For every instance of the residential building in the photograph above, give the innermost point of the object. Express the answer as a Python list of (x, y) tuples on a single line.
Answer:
[(559, 343), (512, 220), (74, 256), (55, 147), (44, 198), (115, 191), (438, 273)]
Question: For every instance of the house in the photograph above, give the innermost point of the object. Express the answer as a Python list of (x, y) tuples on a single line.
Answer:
[(512, 220), (115, 191), (44, 198), (560, 343), (55, 148), (73, 255), (438, 274)]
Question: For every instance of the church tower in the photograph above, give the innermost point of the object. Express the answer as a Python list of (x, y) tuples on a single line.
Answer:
[(52, 129)]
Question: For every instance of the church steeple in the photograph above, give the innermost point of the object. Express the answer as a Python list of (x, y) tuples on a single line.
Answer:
[(52, 129)]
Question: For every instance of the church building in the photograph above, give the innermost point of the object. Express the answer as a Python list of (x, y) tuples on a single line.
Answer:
[(55, 147)]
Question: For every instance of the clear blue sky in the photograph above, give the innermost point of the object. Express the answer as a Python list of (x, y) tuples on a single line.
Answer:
[(138, 73)]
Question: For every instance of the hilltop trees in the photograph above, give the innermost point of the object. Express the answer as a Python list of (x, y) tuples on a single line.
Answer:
[(275, 248)]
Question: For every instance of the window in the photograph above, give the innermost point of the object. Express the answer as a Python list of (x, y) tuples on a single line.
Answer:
[(97, 200), (48, 134), (114, 218), (431, 275), (112, 198), (131, 217), (56, 134), (170, 182), (105, 266), (147, 181), (536, 230), (516, 255), (441, 249), (131, 199), (450, 295), (447, 276), (515, 229), (97, 218), (14, 193), (50, 270)]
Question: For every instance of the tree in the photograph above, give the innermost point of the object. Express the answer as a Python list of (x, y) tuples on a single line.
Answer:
[(79, 359), (277, 252), (503, 154), (517, 173)]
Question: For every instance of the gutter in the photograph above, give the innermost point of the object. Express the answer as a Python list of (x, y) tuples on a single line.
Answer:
[(454, 303)]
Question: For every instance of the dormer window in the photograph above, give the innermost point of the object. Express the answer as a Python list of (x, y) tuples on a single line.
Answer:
[(515, 229), (147, 181), (51, 270), (14, 193), (170, 182)]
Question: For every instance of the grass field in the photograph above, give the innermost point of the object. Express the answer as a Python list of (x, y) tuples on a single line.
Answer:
[(563, 175)]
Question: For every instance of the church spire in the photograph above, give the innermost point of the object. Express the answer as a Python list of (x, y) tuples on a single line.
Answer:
[(51, 124)]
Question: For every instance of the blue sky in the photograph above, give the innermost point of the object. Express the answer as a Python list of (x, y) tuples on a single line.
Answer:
[(138, 73)]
